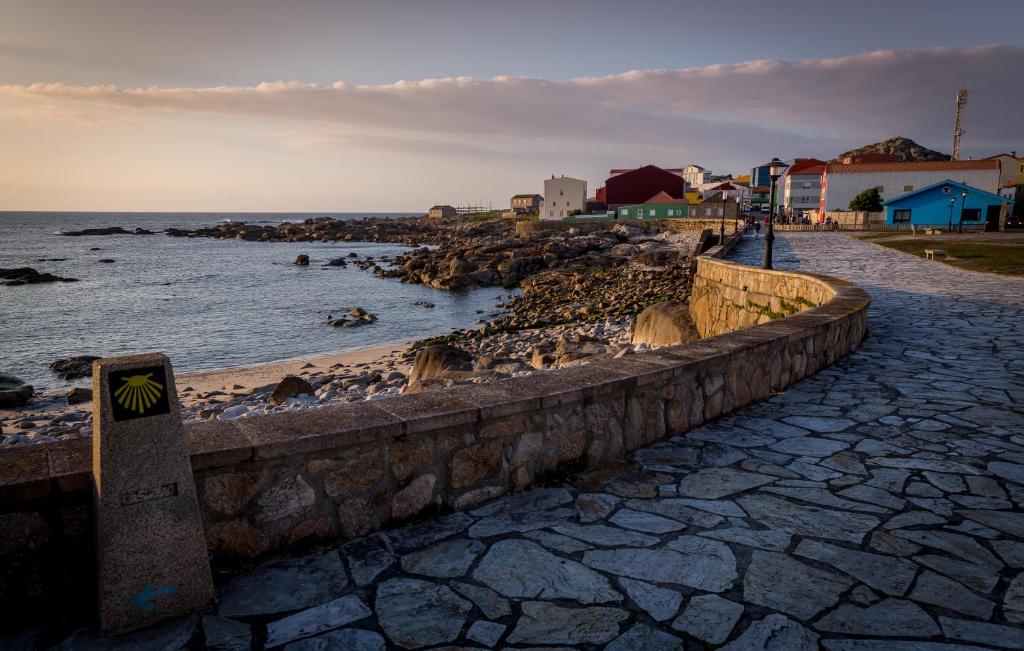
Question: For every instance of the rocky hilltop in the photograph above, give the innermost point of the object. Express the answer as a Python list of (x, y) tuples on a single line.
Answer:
[(904, 149)]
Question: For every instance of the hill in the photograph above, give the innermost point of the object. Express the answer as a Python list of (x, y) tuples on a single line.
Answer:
[(904, 149)]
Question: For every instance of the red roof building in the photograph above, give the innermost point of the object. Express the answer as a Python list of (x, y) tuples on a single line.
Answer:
[(636, 186)]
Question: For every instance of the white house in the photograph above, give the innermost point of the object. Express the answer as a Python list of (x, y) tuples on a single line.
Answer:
[(841, 183), (799, 188), (562, 195), (695, 176)]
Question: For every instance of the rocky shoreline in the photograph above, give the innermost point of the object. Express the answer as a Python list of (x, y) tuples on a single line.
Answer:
[(580, 296)]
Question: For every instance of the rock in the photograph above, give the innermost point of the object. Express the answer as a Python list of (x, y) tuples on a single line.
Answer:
[(14, 392), (331, 615), (289, 498), (546, 623), (935, 589), (493, 605), (486, 633), (713, 483), (783, 583), (346, 639), (444, 560), (337, 262), (284, 585), (995, 635), (290, 387), (78, 395), (108, 230), (439, 361), (641, 636), (523, 569), (416, 613), (808, 520), (694, 562), (660, 603), (770, 539), (891, 618), (29, 276), (302, 261), (709, 618), (71, 368), (890, 575), (664, 324), (367, 557), (591, 507), (413, 498), (223, 634), (774, 633)]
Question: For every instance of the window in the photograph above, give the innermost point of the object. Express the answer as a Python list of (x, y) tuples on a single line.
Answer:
[(908, 188), (650, 212), (624, 212), (901, 216), (551, 213), (970, 214), (561, 193), (807, 185)]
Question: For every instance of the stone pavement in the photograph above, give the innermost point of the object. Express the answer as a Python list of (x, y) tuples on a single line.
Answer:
[(875, 505)]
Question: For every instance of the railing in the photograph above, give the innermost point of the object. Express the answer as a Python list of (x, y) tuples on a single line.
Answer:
[(908, 228)]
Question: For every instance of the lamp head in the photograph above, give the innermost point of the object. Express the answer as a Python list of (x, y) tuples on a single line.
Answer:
[(775, 168), (964, 194)]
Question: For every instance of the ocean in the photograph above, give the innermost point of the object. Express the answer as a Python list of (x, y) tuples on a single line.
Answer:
[(207, 303)]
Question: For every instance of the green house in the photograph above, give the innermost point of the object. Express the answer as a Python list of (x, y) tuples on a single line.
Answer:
[(660, 206)]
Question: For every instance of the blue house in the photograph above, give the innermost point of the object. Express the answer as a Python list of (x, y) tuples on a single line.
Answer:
[(947, 203)]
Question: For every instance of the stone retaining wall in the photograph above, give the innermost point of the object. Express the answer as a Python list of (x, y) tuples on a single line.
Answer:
[(524, 228), (269, 482)]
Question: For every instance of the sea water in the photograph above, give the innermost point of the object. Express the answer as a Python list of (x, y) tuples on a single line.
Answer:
[(207, 303)]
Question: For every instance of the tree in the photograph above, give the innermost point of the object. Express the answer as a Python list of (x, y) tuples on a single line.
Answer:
[(869, 200)]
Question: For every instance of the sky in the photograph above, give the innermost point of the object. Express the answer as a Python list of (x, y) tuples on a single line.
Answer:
[(395, 106)]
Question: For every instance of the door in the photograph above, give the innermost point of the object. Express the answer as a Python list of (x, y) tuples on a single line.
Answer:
[(992, 218)]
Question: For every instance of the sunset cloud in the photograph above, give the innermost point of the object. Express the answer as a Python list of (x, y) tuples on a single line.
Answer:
[(726, 117), (826, 101)]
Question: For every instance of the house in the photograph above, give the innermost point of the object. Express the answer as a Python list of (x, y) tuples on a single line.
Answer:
[(716, 206), (760, 197), (1009, 167), (760, 175), (870, 157), (696, 176), (730, 190), (840, 183), (660, 206), (441, 211), (563, 196), (636, 186), (523, 203), (800, 190), (944, 203)]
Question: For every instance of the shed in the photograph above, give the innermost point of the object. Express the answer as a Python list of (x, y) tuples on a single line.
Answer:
[(946, 204)]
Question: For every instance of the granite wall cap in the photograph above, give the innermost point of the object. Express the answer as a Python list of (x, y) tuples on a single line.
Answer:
[(498, 399), (429, 410), (216, 443), (24, 473), (71, 464), (311, 430)]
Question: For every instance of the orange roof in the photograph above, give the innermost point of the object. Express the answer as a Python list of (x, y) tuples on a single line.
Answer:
[(806, 166), (761, 189), (914, 166), (664, 197)]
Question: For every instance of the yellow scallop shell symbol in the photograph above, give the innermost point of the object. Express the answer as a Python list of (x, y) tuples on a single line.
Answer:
[(138, 392)]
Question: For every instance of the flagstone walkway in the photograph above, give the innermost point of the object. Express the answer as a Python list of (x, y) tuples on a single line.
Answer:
[(875, 505)]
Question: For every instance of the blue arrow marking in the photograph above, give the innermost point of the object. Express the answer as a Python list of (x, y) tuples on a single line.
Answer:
[(144, 599)]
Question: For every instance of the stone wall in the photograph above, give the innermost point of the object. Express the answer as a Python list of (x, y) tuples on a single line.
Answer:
[(524, 228), (270, 482), (727, 297)]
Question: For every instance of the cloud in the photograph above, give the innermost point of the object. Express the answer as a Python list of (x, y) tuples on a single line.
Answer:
[(726, 113)]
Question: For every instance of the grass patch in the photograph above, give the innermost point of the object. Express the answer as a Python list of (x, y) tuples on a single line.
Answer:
[(876, 235), (1005, 259)]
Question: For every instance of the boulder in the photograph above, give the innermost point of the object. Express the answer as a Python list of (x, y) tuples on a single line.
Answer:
[(337, 262), (290, 387), (439, 361), (14, 392), (79, 395), (664, 324), (302, 261), (29, 276), (71, 368)]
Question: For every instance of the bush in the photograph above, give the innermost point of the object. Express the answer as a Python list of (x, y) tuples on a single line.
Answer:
[(869, 200)]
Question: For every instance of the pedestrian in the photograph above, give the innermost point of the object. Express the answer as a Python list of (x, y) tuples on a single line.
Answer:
[(757, 229)]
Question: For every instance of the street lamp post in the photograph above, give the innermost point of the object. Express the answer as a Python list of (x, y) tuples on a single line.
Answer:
[(952, 202), (721, 225), (775, 169), (963, 205)]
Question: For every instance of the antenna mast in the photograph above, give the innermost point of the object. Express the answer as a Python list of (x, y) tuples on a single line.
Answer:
[(958, 125)]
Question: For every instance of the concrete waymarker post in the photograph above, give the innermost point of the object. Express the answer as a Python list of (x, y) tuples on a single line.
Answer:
[(151, 552)]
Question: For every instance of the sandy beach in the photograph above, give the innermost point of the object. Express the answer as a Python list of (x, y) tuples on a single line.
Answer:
[(260, 375)]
